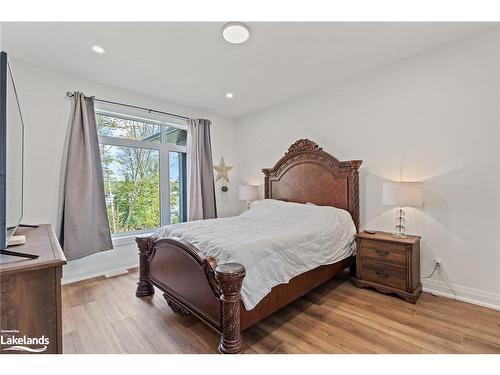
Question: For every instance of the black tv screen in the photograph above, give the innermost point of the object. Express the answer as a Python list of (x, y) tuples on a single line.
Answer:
[(11, 154)]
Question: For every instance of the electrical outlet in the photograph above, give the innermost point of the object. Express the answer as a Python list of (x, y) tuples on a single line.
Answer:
[(438, 262)]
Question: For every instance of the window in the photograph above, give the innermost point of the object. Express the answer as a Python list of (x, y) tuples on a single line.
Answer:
[(144, 171)]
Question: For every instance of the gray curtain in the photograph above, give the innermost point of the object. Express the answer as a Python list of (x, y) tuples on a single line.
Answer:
[(200, 174), (84, 224)]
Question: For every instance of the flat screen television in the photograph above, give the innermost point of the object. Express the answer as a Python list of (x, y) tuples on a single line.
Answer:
[(11, 155)]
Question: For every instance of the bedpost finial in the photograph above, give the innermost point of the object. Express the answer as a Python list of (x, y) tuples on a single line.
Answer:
[(355, 164), (303, 145)]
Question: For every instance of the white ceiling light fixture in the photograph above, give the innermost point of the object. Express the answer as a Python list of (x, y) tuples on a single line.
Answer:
[(235, 32), (229, 95), (98, 49)]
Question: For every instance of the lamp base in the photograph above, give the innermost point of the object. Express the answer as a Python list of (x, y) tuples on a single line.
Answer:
[(400, 228)]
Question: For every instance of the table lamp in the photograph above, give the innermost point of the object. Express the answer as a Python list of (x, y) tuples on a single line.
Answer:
[(402, 194), (248, 193)]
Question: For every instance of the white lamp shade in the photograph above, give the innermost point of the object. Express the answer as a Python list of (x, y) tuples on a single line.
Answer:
[(248, 192), (402, 194)]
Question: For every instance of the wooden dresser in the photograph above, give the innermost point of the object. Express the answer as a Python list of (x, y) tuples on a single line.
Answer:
[(30, 302), (389, 264)]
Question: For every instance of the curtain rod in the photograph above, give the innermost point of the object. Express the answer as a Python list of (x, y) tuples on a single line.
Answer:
[(70, 94)]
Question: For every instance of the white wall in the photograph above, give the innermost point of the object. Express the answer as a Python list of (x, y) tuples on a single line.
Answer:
[(436, 115), (46, 109)]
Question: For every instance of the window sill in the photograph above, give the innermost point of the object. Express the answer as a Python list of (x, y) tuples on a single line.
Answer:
[(128, 239)]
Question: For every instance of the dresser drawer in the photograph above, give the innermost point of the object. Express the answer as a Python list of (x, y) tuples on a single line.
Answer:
[(384, 274), (383, 252)]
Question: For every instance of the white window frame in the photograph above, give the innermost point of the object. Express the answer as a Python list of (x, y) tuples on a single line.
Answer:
[(164, 121)]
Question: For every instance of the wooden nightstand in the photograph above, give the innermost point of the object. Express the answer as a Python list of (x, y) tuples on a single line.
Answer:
[(389, 264)]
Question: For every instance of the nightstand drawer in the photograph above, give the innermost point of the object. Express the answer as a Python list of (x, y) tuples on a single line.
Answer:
[(383, 252), (383, 274)]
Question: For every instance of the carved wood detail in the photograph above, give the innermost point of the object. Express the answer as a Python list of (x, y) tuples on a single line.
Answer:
[(209, 265), (354, 201), (176, 308), (146, 252), (307, 152), (230, 277), (303, 145)]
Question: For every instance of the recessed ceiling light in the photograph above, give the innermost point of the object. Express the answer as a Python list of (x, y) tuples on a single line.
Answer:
[(229, 95), (235, 32), (98, 49)]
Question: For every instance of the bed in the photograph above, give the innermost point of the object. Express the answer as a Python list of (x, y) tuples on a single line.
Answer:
[(300, 236)]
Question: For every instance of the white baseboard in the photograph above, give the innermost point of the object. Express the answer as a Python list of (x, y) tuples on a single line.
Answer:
[(90, 272), (464, 294), (114, 273)]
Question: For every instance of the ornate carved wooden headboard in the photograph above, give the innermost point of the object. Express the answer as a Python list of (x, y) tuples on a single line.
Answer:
[(308, 174)]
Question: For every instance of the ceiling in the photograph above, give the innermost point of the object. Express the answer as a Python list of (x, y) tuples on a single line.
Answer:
[(189, 63)]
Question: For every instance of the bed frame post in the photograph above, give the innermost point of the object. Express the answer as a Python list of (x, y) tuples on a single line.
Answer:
[(144, 286), (229, 277), (354, 203)]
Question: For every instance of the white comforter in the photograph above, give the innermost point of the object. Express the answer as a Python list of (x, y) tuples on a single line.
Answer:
[(274, 240)]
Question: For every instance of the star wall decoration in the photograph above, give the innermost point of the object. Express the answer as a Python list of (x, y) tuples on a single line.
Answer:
[(222, 170)]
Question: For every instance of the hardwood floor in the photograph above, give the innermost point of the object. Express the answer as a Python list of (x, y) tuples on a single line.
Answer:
[(103, 315)]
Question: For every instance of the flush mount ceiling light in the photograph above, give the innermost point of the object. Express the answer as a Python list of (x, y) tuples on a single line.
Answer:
[(98, 49), (235, 32), (229, 95)]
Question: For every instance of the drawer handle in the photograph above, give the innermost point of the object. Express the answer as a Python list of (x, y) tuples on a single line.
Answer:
[(382, 253), (382, 274)]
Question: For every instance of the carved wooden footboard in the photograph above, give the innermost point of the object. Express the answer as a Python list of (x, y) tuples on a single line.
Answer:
[(194, 284)]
